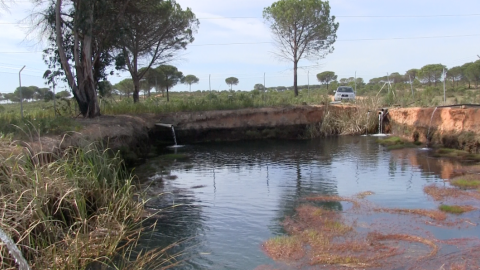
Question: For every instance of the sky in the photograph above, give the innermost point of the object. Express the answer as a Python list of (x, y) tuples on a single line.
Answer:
[(375, 37)]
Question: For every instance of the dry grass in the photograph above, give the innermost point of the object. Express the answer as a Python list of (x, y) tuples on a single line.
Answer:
[(328, 198), (324, 237), (284, 248), (408, 238), (433, 214), (74, 211), (443, 193), (363, 195), (327, 237), (348, 120)]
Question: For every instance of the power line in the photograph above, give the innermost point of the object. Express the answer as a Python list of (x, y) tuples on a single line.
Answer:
[(358, 39), (237, 43), (22, 52), (361, 16), (399, 38)]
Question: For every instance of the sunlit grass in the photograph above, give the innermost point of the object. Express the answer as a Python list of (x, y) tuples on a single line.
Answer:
[(466, 182), (284, 248), (455, 209)]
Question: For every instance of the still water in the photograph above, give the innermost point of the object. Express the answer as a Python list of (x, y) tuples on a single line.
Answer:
[(223, 202)]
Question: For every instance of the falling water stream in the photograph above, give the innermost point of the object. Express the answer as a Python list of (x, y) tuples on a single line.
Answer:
[(14, 251), (431, 118), (174, 136)]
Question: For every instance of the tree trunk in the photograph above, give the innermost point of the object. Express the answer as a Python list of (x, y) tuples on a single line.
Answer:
[(136, 85), (295, 88), (84, 89), (168, 98), (89, 81)]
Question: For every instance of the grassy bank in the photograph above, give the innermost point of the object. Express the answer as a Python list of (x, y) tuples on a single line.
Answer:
[(77, 210)]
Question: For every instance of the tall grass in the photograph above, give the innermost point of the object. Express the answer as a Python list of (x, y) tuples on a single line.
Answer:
[(39, 115), (214, 100), (77, 210), (352, 120)]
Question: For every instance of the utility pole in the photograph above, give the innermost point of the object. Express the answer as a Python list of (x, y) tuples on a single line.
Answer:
[(308, 83), (54, 102), (444, 95), (355, 83), (264, 88), (209, 83), (411, 84), (20, 90)]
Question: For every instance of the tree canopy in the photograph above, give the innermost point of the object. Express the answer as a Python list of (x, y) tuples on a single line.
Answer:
[(326, 77), (431, 73), (455, 74), (472, 72), (190, 79), (258, 86), (231, 81), (125, 86), (169, 77), (412, 74), (87, 37), (154, 31), (302, 29)]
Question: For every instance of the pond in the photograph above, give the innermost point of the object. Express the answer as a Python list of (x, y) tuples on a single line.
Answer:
[(222, 203)]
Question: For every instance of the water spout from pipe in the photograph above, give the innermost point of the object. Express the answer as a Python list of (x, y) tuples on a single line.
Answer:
[(428, 137), (14, 251), (174, 137)]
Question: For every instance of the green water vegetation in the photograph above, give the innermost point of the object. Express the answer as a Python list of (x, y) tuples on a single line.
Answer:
[(455, 209), (78, 208), (325, 237), (470, 181), (394, 142), (457, 154)]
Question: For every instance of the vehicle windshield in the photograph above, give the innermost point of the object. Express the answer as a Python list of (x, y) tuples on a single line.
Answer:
[(345, 90)]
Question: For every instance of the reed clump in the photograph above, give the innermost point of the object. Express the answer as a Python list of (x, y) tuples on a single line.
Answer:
[(284, 248), (77, 210), (348, 120), (456, 209)]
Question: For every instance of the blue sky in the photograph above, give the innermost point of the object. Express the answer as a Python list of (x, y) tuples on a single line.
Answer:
[(425, 38)]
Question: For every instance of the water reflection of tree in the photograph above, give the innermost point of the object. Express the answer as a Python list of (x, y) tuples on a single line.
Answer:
[(304, 165)]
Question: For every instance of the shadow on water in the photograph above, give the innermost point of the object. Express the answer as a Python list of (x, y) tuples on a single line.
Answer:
[(229, 198)]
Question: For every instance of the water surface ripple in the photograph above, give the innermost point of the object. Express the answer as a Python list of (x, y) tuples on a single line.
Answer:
[(233, 196)]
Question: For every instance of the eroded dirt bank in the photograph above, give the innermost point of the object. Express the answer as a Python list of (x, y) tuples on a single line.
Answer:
[(231, 125), (455, 127), (135, 135)]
